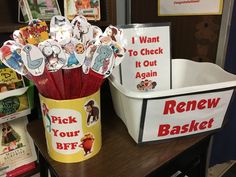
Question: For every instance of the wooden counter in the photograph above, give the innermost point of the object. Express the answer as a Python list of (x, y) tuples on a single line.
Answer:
[(120, 156)]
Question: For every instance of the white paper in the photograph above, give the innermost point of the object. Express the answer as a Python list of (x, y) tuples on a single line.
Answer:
[(189, 7)]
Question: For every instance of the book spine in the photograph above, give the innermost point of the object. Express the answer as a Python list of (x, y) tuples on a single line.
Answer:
[(21, 170)]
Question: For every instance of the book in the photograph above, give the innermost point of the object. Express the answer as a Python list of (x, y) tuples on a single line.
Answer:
[(17, 151), (40, 9), (88, 8), (14, 101), (24, 11), (9, 79)]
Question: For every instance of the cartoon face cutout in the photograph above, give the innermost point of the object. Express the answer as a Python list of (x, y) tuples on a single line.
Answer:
[(103, 60), (119, 52), (79, 48), (82, 30), (34, 59), (60, 28), (54, 55), (97, 32), (88, 58), (114, 33), (11, 57), (105, 40), (17, 36), (74, 51)]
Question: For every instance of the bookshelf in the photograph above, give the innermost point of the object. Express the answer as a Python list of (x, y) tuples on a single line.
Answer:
[(9, 15)]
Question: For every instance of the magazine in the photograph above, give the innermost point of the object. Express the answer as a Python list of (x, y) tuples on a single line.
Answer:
[(88, 8), (17, 152)]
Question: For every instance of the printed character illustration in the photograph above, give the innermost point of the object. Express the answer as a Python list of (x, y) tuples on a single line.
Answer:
[(118, 50), (17, 36), (93, 112), (81, 30), (82, 4), (33, 64), (35, 32), (12, 58), (87, 143), (79, 48), (97, 32), (104, 52), (105, 67), (146, 85), (115, 34), (60, 29), (49, 4), (53, 61), (6, 87), (9, 137), (3, 87), (45, 114), (60, 22), (112, 32), (88, 58), (69, 49)]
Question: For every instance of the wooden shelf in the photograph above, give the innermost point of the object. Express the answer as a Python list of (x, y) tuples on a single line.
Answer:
[(9, 15), (119, 155), (31, 172)]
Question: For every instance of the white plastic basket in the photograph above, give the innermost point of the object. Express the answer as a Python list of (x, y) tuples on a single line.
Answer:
[(197, 102)]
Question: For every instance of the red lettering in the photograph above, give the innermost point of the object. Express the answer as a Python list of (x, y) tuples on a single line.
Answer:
[(59, 145), (210, 122), (55, 132), (180, 107), (184, 128), (175, 130), (191, 105), (202, 125), (66, 120), (193, 126), (66, 146), (212, 103), (163, 130), (74, 145), (72, 120), (202, 104), (146, 51), (169, 107), (62, 134), (54, 119)]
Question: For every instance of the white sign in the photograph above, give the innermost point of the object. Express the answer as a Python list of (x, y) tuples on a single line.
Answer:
[(184, 115), (146, 66), (66, 130), (189, 7)]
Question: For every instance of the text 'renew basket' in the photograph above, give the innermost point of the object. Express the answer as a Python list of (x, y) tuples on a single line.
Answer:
[(197, 102)]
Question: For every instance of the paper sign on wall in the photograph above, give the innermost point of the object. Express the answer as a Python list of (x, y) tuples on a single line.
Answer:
[(146, 66), (189, 7), (184, 115)]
